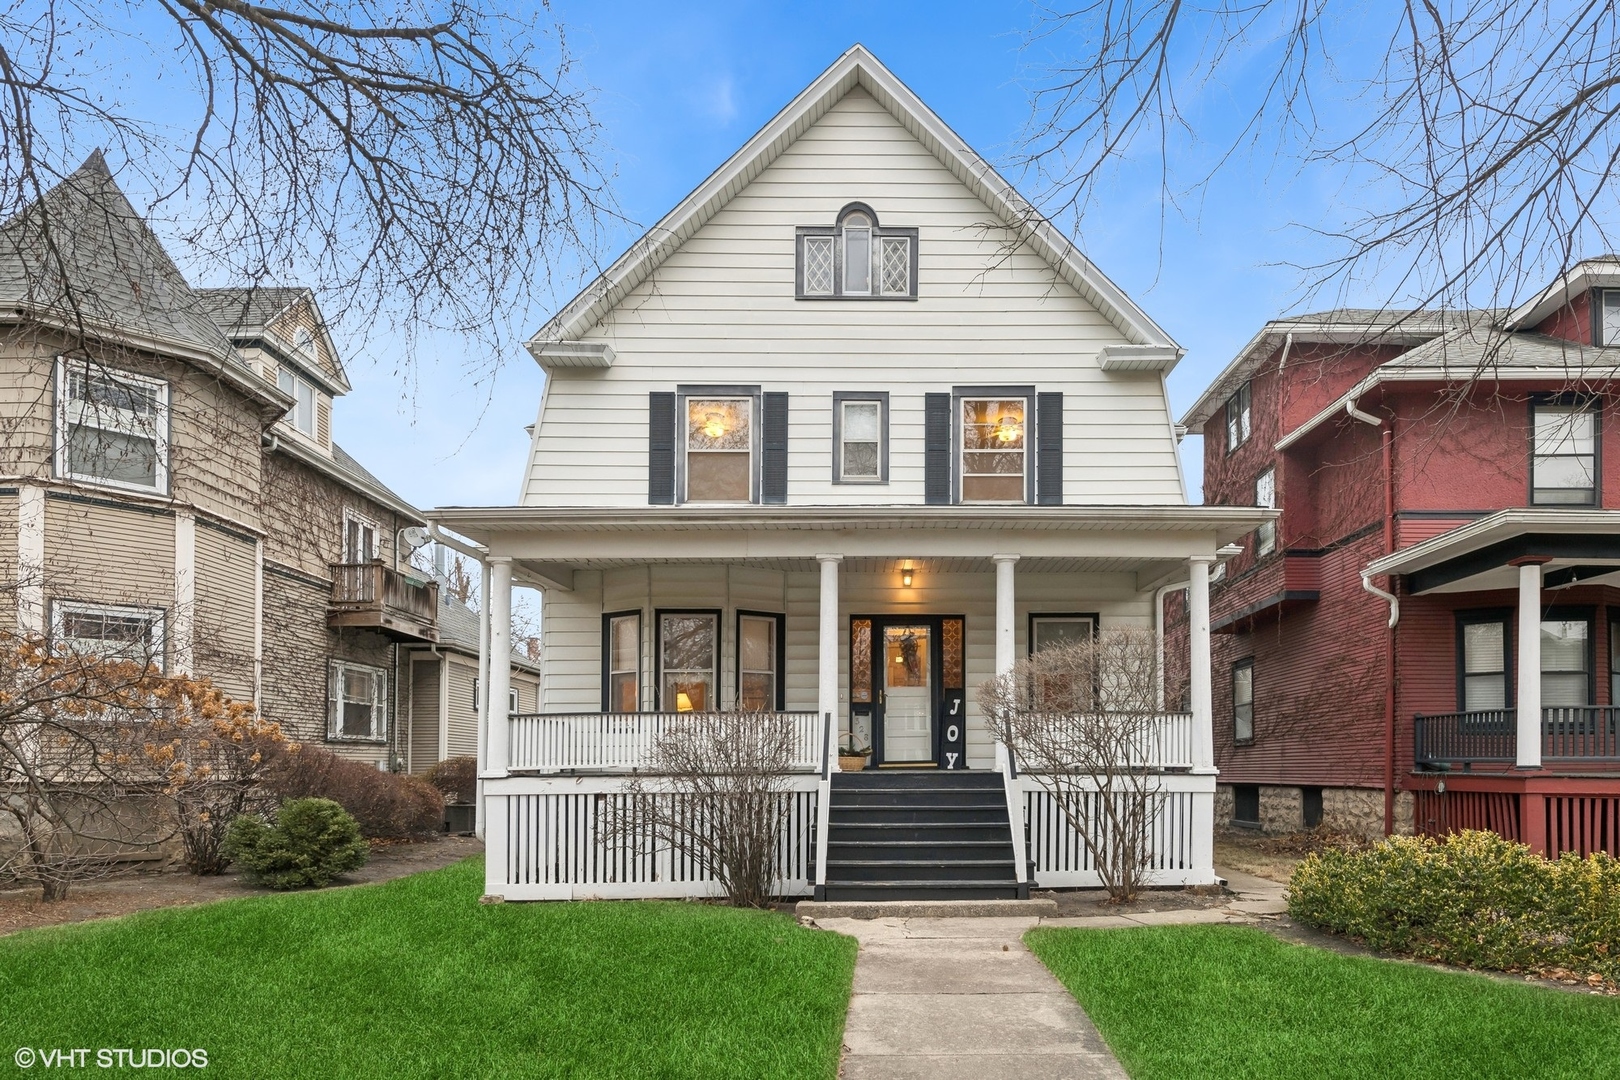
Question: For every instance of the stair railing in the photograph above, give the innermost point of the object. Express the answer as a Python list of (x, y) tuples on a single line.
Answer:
[(1008, 764), (824, 806)]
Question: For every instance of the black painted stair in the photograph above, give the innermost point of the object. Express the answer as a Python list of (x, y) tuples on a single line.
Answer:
[(920, 835)]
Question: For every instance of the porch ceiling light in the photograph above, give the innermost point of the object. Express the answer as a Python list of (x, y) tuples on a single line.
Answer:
[(905, 575)]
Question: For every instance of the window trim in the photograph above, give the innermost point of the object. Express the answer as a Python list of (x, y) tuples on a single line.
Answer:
[(755, 394), (512, 701), (162, 434), (780, 618), (1508, 617), (959, 394), (335, 671), (1245, 664), (836, 231), (1095, 618), (1265, 534), (608, 619), (60, 606), (839, 399), (1591, 403), (658, 651), (1586, 613), (1246, 393), (351, 514)]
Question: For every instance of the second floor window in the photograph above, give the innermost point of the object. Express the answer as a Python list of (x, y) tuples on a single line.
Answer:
[(1606, 317), (719, 449), (1563, 462), (860, 430), (1238, 422), (1265, 494), (994, 458), (111, 427), (302, 415), (359, 539)]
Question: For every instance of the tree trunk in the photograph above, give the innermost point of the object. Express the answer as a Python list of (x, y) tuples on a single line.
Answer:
[(53, 890)]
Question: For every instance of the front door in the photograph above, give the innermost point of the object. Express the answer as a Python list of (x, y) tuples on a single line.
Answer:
[(905, 703)]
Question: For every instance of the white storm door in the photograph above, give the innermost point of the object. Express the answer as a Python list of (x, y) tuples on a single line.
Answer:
[(908, 700)]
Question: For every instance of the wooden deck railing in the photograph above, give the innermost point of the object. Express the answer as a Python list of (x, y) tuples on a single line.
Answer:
[(1568, 733), (622, 742), (375, 586)]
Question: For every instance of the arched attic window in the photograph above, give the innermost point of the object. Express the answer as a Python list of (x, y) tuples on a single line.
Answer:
[(856, 259)]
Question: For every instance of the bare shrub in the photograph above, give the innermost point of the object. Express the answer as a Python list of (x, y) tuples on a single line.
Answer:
[(1083, 721), (96, 751), (457, 778), (387, 805), (715, 792)]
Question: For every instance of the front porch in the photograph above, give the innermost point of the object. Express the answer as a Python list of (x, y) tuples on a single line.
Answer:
[(1510, 664), (854, 631)]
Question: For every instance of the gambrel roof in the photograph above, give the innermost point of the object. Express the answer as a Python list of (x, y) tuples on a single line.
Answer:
[(859, 68)]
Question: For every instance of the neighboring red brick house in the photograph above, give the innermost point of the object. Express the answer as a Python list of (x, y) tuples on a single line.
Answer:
[(1460, 461)]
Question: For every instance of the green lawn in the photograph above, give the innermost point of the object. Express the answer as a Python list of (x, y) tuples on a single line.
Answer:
[(1233, 1002), (415, 978)]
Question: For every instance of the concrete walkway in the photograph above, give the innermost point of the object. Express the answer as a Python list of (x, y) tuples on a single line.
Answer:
[(963, 999)]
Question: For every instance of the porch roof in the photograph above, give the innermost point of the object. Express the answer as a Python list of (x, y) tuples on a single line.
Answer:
[(1154, 542), (1581, 546)]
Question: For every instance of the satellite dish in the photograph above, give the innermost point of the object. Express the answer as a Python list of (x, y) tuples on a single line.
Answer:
[(414, 537)]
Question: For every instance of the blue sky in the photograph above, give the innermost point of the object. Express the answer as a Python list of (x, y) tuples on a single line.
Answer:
[(682, 86)]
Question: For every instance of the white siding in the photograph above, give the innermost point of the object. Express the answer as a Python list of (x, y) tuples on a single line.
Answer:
[(722, 310)]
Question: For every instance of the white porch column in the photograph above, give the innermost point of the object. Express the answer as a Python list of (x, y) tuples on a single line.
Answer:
[(1529, 675), (827, 652), (1203, 706), (499, 664), (1006, 624)]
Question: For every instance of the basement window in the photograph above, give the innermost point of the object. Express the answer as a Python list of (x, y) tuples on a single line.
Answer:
[(1246, 805)]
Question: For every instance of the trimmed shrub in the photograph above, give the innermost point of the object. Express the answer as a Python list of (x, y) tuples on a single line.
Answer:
[(386, 805), (1473, 899), (457, 777), (311, 842)]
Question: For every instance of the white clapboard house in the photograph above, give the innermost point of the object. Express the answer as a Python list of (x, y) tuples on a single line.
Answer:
[(842, 436)]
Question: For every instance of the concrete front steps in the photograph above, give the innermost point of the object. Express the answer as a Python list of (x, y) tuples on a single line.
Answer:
[(919, 835)]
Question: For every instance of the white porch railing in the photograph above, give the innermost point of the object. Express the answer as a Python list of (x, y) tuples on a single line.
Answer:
[(1166, 742), (622, 742), (1175, 857)]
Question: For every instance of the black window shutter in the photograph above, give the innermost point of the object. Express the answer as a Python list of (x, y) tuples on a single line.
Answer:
[(1049, 449), (773, 479), (936, 449), (661, 448)]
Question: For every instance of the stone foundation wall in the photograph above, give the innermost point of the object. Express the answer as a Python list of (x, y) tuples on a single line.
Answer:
[(1359, 811)]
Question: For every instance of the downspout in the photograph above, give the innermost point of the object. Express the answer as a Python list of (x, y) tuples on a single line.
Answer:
[(1387, 456)]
